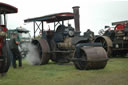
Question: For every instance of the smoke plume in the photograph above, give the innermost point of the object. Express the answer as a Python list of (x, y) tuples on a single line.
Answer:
[(33, 55)]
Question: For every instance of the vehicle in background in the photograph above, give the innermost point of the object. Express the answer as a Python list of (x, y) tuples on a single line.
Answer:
[(115, 39), (24, 39), (4, 47)]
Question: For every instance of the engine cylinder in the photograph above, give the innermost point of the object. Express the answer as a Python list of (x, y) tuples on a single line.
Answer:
[(67, 44)]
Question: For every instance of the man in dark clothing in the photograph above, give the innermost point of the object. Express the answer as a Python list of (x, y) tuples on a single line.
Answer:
[(15, 51)]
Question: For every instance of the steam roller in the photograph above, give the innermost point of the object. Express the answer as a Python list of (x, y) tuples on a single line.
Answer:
[(65, 44)]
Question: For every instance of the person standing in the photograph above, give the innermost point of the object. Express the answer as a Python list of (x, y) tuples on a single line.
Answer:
[(15, 51)]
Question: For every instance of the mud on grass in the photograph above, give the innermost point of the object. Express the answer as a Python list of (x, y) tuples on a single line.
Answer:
[(115, 73)]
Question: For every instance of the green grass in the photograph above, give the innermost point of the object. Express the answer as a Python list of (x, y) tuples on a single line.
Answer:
[(115, 73)]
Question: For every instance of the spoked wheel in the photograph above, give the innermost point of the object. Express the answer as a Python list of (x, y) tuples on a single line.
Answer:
[(106, 43)]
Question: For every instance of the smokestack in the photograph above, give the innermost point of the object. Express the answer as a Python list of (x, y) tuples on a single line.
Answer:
[(76, 18), (0, 19)]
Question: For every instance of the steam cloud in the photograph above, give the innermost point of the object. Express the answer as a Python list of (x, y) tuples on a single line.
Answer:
[(33, 55)]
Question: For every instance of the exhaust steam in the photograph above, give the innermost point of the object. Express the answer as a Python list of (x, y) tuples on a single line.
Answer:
[(33, 55)]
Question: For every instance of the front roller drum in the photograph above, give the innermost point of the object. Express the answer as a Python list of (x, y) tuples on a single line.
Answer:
[(90, 58)]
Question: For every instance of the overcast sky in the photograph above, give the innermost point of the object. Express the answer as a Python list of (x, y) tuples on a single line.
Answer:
[(94, 14)]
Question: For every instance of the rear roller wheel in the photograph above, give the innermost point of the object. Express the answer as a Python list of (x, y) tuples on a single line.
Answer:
[(106, 43), (5, 64), (44, 58)]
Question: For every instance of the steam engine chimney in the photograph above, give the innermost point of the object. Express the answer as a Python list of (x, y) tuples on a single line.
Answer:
[(0, 20), (76, 18)]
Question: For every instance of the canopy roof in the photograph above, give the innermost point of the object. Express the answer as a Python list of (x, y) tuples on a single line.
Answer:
[(120, 22), (6, 8), (21, 29), (53, 17), (18, 30)]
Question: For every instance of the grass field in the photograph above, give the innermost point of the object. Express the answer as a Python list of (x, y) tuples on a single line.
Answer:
[(115, 73)]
